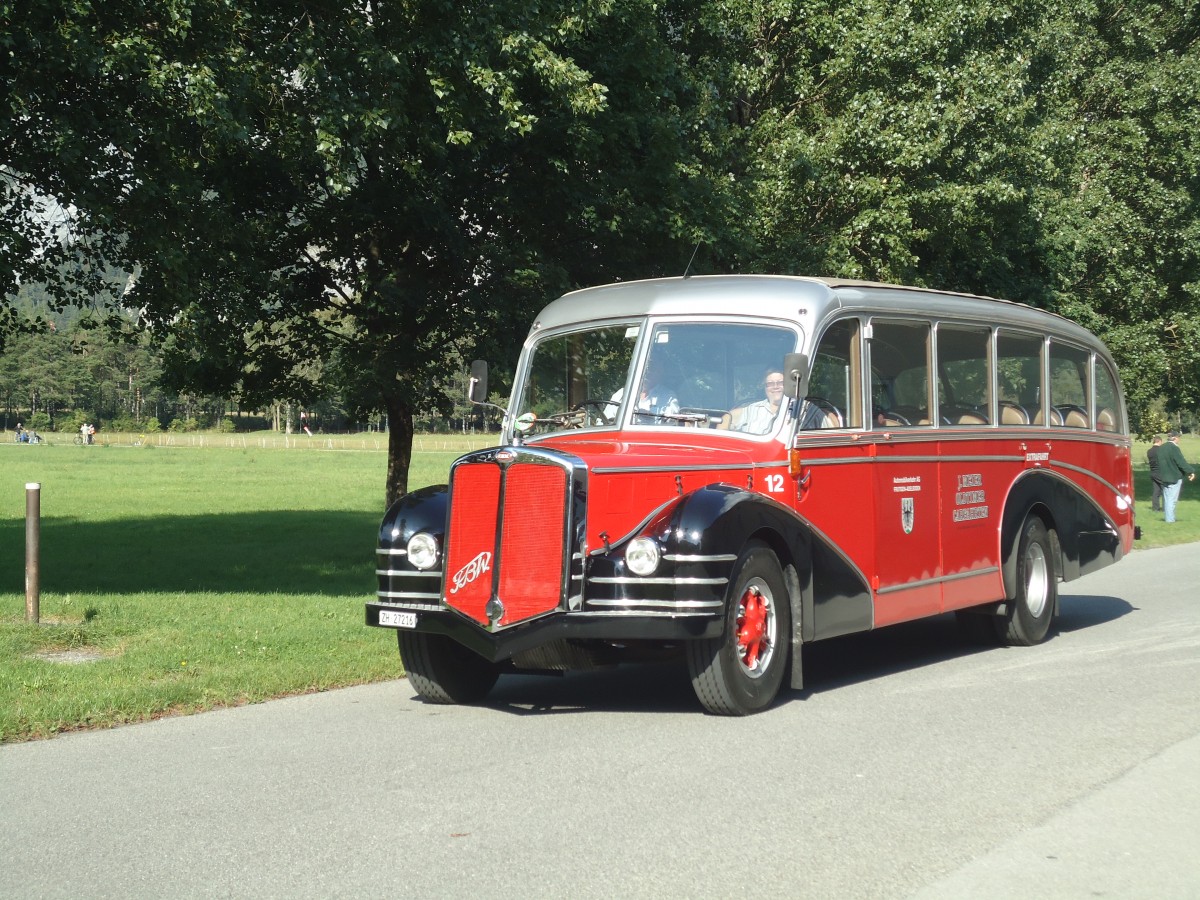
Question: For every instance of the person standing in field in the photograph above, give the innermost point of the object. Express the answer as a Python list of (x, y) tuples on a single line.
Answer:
[(1172, 467), (1155, 480)]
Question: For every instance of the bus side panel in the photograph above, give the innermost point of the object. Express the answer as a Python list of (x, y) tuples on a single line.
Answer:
[(974, 479), (908, 566)]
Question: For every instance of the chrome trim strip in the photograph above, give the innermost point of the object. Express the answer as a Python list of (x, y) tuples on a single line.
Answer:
[(931, 458), (679, 581), (658, 604), (391, 551), (958, 576), (630, 470), (652, 613), (697, 557), (398, 573), (409, 594), (1087, 473)]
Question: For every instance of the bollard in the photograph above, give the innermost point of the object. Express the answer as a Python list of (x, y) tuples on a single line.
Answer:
[(33, 531)]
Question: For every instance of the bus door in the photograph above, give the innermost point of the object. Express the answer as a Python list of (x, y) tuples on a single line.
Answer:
[(908, 566), (973, 473)]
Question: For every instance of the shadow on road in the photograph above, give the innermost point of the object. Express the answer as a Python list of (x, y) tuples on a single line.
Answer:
[(828, 665)]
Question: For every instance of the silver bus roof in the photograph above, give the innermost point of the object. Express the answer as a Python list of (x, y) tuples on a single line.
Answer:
[(806, 300)]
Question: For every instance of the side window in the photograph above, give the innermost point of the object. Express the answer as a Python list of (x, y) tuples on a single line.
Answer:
[(1108, 400), (833, 392), (963, 381), (1068, 385), (1018, 378), (900, 383)]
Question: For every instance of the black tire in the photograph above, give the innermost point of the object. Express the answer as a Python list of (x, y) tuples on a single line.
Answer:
[(443, 670), (1032, 610), (757, 628)]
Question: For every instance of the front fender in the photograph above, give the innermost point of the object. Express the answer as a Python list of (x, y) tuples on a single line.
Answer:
[(400, 582), (703, 533)]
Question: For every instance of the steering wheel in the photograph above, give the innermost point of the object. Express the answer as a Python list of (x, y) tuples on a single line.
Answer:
[(602, 407)]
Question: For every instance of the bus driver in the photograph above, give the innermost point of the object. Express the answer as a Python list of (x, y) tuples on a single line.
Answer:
[(757, 417)]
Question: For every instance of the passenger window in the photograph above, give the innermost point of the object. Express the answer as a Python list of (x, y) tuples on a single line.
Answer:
[(1019, 378), (964, 383), (1108, 404), (1068, 386), (900, 383), (833, 393)]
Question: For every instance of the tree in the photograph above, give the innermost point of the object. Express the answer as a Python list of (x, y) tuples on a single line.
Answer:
[(1043, 152), (368, 185)]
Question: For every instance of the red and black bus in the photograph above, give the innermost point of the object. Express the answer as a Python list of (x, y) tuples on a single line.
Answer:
[(727, 468)]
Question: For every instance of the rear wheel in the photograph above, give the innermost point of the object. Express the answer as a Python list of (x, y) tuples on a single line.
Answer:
[(741, 672), (442, 670), (1031, 611)]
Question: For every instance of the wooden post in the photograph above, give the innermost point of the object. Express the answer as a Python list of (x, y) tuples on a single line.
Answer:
[(33, 532)]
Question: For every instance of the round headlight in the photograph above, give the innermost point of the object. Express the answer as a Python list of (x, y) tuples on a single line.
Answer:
[(642, 556), (423, 550)]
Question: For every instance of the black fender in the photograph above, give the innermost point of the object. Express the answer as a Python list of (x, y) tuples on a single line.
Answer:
[(426, 509), (1084, 537), (702, 534)]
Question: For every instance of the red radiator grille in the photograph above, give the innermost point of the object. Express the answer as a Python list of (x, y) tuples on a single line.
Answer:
[(532, 546), (531, 559), (471, 543)]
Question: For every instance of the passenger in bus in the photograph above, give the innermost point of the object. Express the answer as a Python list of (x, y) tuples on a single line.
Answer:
[(658, 399), (759, 416)]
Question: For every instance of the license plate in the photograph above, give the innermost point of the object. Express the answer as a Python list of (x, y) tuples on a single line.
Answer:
[(394, 618)]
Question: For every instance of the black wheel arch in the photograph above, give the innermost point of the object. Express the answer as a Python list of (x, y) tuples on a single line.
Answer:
[(828, 595), (1083, 538), (425, 509)]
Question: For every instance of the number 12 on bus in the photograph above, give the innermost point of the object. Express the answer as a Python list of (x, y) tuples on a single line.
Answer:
[(723, 469)]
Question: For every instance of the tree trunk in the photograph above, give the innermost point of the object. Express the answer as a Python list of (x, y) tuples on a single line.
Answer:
[(400, 439)]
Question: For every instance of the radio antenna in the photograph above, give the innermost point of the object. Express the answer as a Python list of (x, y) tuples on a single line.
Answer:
[(693, 259)]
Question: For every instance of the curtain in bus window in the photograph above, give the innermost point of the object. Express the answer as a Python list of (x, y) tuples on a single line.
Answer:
[(1108, 404), (900, 383), (1068, 385), (1019, 378)]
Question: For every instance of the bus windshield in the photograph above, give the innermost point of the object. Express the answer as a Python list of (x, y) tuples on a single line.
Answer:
[(700, 374)]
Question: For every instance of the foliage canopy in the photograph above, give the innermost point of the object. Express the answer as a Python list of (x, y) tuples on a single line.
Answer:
[(316, 196)]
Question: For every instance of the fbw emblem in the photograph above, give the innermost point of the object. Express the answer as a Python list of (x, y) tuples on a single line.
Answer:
[(906, 514)]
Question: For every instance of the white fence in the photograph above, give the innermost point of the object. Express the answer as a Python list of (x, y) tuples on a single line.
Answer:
[(271, 441)]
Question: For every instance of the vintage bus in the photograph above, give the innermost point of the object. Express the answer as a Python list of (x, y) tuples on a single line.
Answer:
[(726, 468)]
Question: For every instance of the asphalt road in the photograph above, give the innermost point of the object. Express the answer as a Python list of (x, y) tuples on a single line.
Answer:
[(912, 765)]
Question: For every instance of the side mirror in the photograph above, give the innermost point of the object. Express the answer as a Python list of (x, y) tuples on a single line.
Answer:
[(477, 388), (795, 375)]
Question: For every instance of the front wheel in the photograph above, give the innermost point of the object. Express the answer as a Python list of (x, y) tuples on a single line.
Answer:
[(442, 670), (1031, 611), (741, 672)]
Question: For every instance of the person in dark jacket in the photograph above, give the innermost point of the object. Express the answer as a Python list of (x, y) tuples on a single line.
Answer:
[(1172, 467), (1155, 481)]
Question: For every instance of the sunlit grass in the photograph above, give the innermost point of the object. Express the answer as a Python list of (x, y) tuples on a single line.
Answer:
[(181, 579)]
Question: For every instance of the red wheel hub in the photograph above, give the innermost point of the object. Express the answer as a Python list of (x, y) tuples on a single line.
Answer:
[(753, 614)]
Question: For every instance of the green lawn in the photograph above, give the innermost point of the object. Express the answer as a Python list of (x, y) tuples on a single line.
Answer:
[(1155, 532), (189, 578), (186, 577)]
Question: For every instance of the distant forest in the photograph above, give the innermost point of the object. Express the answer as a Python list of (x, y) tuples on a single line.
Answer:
[(75, 371)]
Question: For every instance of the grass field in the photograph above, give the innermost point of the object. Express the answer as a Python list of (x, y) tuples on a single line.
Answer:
[(194, 575), (186, 578)]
